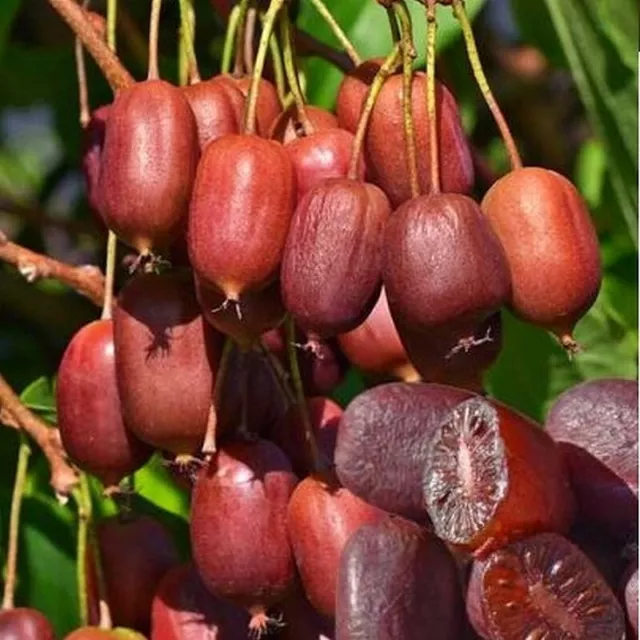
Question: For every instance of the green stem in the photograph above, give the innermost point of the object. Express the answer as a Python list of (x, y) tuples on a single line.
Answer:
[(298, 388), (209, 444), (83, 499), (154, 28), (292, 74), (187, 36), (112, 12), (483, 84), (105, 612), (432, 115), (387, 68), (252, 100), (24, 451), (110, 269), (279, 373), (249, 35), (229, 39), (238, 69), (408, 55), (347, 45), (393, 25), (278, 69), (81, 73)]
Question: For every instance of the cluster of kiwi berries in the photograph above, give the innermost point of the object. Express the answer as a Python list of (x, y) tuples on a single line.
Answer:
[(300, 241)]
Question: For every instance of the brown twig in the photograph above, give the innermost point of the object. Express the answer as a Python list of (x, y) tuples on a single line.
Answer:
[(87, 279), (307, 45), (63, 477)]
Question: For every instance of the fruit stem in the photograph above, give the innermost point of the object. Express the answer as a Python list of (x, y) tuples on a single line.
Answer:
[(238, 68), (481, 80), (292, 75), (154, 28), (278, 69), (187, 37), (393, 25), (229, 39), (24, 451), (432, 114), (387, 68), (112, 12), (408, 55), (105, 621), (209, 443), (73, 14), (249, 35), (347, 45), (252, 99), (279, 373), (81, 72), (298, 388), (82, 496)]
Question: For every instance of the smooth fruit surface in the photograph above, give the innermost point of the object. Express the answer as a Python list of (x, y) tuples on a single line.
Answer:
[(24, 624)]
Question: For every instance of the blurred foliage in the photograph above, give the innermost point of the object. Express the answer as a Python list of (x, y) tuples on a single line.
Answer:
[(575, 112)]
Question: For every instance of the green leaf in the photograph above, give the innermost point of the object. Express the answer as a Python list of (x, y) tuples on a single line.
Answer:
[(608, 88), (40, 395), (8, 11), (619, 21)]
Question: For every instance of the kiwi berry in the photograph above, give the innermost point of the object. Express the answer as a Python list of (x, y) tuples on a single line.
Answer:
[(23, 623), (287, 127)]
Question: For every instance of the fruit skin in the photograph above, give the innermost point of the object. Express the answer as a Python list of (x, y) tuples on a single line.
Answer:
[(95, 633), (396, 580), (284, 128), (631, 596), (166, 361), (321, 155), (321, 518), (551, 245), (509, 591), (260, 311), (92, 144), (135, 555), (383, 440), (239, 537), (384, 146), (148, 165), (443, 265), (375, 347), (24, 623), (90, 418), (596, 426), (242, 204), (214, 108), (331, 266), (527, 491), (183, 609)]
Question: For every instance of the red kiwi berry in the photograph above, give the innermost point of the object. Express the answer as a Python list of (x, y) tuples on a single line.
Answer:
[(136, 552), (596, 426), (183, 609), (23, 623), (239, 535), (90, 418), (331, 266), (493, 476), (302, 622), (166, 360), (95, 633), (321, 155), (384, 147), (288, 433), (375, 346), (631, 596), (321, 518), (551, 245), (214, 108), (148, 165), (396, 580), (383, 440), (256, 312), (542, 587), (242, 204), (92, 145), (287, 126)]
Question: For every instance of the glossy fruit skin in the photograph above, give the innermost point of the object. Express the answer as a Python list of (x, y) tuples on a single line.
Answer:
[(532, 489), (148, 165), (331, 266), (396, 580), (442, 264), (95, 633), (288, 433), (214, 109), (383, 440), (238, 525), (260, 311), (375, 346), (92, 144), (242, 204), (596, 426), (166, 361), (321, 518), (384, 142), (510, 590), (92, 427), (551, 245), (302, 621), (183, 609), (135, 556), (22, 623), (322, 155), (286, 127)]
